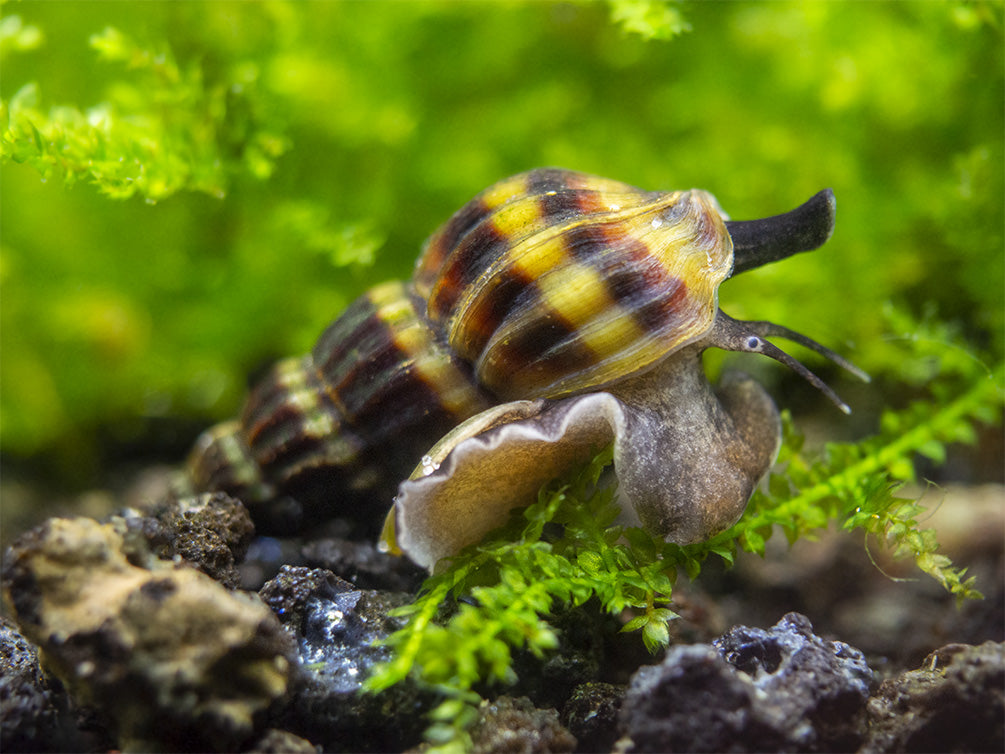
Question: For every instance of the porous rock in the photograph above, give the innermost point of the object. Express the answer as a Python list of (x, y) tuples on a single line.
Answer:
[(577, 659), (337, 629), (954, 702), (36, 713), (508, 725), (784, 689), (591, 715), (212, 532), (282, 742), (172, 657)]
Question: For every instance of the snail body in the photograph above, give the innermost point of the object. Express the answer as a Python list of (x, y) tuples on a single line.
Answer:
[(685, 468), (556, 305)]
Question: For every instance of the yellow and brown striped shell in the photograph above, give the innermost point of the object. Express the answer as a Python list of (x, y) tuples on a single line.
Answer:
[(320, 433), (550, 283), (554, 282)]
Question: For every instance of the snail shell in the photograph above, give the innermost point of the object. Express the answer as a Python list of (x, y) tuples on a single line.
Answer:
[(547, 285), (326, 430), (555, 282)]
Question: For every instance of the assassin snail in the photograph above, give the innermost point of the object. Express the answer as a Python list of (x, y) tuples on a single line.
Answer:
[(553, 314)]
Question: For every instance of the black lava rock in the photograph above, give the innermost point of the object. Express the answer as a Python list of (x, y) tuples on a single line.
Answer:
[(577, 659), (825, 683), (508, 725), (211, 532), (784, 689), (337, 629), (361, 563), (36, 714)]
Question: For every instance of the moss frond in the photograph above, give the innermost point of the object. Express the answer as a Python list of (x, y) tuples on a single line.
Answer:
[(163, 127)]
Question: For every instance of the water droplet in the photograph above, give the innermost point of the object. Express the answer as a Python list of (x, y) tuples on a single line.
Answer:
[(428, 465)]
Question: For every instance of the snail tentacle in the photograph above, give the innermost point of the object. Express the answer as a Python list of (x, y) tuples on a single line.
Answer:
[(734, 335), (771, 330)]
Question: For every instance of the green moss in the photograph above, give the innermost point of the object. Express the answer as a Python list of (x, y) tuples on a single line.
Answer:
[(298, 153)]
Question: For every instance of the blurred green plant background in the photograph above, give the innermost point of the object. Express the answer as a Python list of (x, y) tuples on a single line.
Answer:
[(190, 190)]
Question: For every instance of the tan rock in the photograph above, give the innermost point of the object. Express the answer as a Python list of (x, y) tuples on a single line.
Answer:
[(177, 660)]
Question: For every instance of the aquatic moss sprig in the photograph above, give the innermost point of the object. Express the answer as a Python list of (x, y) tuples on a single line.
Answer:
[(163, 127), (650, 19)]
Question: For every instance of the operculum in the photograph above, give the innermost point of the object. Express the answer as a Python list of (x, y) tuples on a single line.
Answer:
[(470, 480)]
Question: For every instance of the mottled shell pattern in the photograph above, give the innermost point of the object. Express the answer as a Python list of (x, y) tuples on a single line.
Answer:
[(320, 432), (553, 282), (548, 283)]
